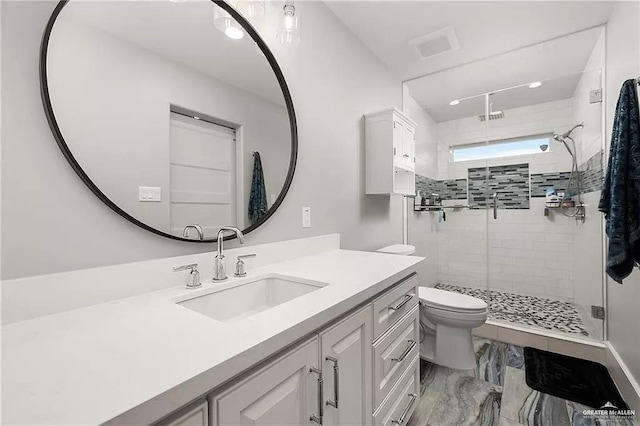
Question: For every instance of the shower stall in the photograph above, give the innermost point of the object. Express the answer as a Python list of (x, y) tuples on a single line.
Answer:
[(510, 216)]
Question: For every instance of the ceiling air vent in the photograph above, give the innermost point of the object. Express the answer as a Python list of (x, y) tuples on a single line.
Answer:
[(436, 43), (492, 116)]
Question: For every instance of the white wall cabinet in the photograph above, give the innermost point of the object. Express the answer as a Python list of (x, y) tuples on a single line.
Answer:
[(390, 139), (346, 366)]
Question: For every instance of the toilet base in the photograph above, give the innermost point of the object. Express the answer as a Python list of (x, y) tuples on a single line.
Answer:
[(454, 348), (446, 345)]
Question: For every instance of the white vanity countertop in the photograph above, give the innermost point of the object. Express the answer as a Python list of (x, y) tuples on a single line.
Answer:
[(132, 360)]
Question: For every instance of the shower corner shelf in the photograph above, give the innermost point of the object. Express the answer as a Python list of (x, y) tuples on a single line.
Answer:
[(440, 208), (579, 215)]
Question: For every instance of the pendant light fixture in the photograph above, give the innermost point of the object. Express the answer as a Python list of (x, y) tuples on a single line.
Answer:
[(225, 23), (251, 9), (288, 28)]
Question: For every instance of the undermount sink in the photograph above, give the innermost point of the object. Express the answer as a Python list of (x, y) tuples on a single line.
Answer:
[(250, 297)]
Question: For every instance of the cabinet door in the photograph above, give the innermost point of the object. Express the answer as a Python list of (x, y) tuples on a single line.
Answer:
[(346, 356), (197, 415), (398, 132), (285, 392), (408, 146)]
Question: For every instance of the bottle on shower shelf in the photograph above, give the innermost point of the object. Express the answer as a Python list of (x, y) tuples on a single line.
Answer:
[(551, 198)]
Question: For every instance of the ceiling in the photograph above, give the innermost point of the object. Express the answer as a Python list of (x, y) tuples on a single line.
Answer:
[(558, 64), (483, 29), (183, 32), (502, 44)]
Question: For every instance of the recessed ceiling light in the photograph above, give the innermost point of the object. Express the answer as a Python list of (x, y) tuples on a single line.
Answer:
[(535, 84), (452, 103)]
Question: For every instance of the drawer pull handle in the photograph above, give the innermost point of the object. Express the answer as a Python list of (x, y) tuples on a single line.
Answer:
[(336, 382), (406, 410), (399, 306), (318, 418), (412, 344)]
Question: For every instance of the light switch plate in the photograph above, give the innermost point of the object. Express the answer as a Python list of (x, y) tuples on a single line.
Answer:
[(306, 217), (595, 96), (148, 194)]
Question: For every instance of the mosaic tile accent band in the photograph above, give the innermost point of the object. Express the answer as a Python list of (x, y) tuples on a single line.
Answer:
[(591, 178), (425, 185), (511, 183), (450, 189), (592, 173), (541, 181), (529, 310)]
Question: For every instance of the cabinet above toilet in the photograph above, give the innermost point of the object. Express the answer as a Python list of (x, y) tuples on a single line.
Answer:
[(390, 153)]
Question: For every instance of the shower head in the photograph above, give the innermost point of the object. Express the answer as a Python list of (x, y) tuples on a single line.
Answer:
[(568, 133)]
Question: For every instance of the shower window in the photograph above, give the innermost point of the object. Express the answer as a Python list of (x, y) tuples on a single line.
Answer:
[(501, 148)]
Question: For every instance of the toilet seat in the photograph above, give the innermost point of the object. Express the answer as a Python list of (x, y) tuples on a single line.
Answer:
[(451, 301), (401, 249)]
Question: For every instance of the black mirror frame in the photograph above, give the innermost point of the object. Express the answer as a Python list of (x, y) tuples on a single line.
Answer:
[(57, 134)]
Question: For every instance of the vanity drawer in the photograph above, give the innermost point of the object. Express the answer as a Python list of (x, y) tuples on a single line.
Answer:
[(394, 304), (393, 353), (403, 400)]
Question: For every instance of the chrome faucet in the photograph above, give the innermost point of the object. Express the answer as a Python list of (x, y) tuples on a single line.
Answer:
[(198, 228), (219, 271), (193, 281)]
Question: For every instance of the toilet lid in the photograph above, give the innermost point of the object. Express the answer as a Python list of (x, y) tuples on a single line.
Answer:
[(401, 249), (450, 300)]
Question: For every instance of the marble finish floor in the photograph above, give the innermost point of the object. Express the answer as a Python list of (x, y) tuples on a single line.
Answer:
[(528, 310), (494, 394)]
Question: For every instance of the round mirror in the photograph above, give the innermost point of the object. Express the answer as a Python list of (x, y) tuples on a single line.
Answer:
[(174, 113)]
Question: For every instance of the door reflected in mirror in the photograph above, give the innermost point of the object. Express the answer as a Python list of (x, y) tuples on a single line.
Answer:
[(176, 122)]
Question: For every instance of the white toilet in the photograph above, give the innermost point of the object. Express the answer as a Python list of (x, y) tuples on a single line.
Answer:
[(446, 321)]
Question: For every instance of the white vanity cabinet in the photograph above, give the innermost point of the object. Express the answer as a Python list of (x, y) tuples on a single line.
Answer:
[(195, 415), (346, 368), (285, 392), (390, 139), (340, 376)]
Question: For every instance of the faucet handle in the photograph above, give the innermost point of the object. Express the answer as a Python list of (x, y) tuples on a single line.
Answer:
[(193, 281), (240, 272)]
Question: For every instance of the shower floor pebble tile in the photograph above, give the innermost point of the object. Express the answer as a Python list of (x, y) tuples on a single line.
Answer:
[(496, 394), (527, 310)]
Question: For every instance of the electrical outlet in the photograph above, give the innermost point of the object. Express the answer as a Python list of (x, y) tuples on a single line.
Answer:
[(149, 194), (306, 217)]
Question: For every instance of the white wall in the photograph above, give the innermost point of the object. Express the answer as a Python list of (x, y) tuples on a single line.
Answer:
[(422, 225), (123, 140), (623, 62), (51, 222)]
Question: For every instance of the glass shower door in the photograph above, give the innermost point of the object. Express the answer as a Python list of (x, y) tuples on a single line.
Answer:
[(461, 222), (545, 248)]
